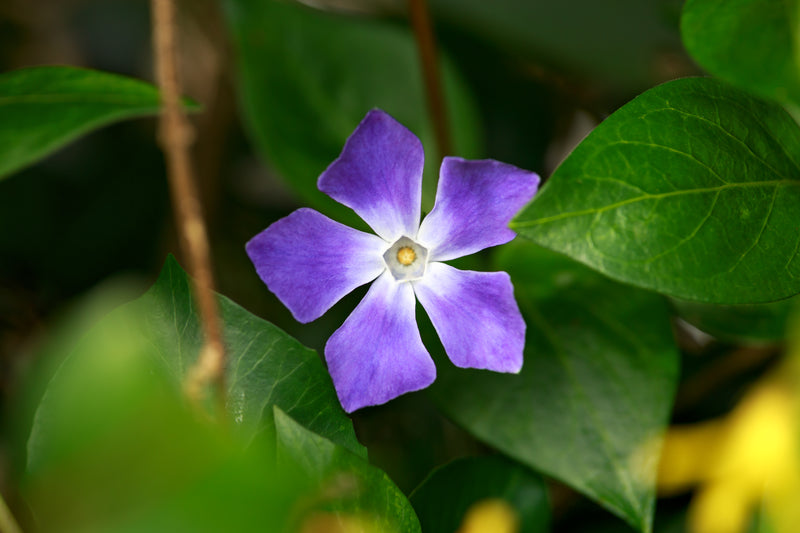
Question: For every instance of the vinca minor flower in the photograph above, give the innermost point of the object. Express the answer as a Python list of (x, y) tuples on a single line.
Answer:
[(310, 262)]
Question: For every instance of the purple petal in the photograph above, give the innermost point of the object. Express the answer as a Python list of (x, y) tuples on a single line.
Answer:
[(310, 261), (379, 176), (475, 315), (377, 354), (475, 201)]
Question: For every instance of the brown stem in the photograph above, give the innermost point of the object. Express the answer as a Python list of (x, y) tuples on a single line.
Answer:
[(175, 137), (423, 31)]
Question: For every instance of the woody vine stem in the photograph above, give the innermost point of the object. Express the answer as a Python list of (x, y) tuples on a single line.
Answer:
[(426, 44), (175, 136)]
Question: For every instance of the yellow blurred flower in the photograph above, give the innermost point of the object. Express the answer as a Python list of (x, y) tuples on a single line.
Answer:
[(490, 516), (741, 462)]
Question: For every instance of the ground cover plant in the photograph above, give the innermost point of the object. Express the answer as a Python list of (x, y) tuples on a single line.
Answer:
[(385, 266)]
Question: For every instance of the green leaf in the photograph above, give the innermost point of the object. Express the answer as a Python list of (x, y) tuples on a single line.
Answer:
[(113, 448), (348, 489), (445, 496), (596, 389), (744, 324), (691, 189), (44, 108), (573, 36), (306, 79), (750, 43), (266, 366)]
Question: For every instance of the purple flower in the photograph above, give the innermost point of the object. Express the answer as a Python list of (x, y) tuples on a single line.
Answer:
[(310, 262)]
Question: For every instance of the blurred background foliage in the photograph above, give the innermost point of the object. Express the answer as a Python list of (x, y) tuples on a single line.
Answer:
[(89, 227)]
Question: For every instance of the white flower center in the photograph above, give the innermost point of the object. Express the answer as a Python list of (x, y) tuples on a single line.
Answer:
[(406, 259)]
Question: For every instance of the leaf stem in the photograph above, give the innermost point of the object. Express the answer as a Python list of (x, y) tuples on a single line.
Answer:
[(7, 522), (175, 137), (426, 43)]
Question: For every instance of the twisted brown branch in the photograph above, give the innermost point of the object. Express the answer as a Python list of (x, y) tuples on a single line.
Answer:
[(423, 32), (175, 137)]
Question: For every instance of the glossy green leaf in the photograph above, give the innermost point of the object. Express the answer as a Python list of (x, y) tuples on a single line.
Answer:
[(306, 79), (266, 366), (691, 189), (750, 43), (346, 489), (448, 493), (756, 323), (595, 391), (114, 448), (43, 108)]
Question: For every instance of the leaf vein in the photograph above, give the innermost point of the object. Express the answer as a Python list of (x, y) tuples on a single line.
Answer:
[(621, 203)]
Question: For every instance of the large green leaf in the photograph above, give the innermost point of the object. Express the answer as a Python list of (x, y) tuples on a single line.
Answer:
[(43, 108), (691, 189), (596, 389), (750, 43), (306, 79), (266, 367), (575, 35), (448, 493), (114, 448), (347, 488)]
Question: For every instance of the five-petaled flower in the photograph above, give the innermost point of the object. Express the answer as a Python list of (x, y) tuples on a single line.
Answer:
[(310, 262)]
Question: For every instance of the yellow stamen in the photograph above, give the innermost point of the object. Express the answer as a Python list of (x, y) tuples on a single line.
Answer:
[(406, 255)]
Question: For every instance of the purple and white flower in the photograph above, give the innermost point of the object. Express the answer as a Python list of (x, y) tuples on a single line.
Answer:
[(310, 262)]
